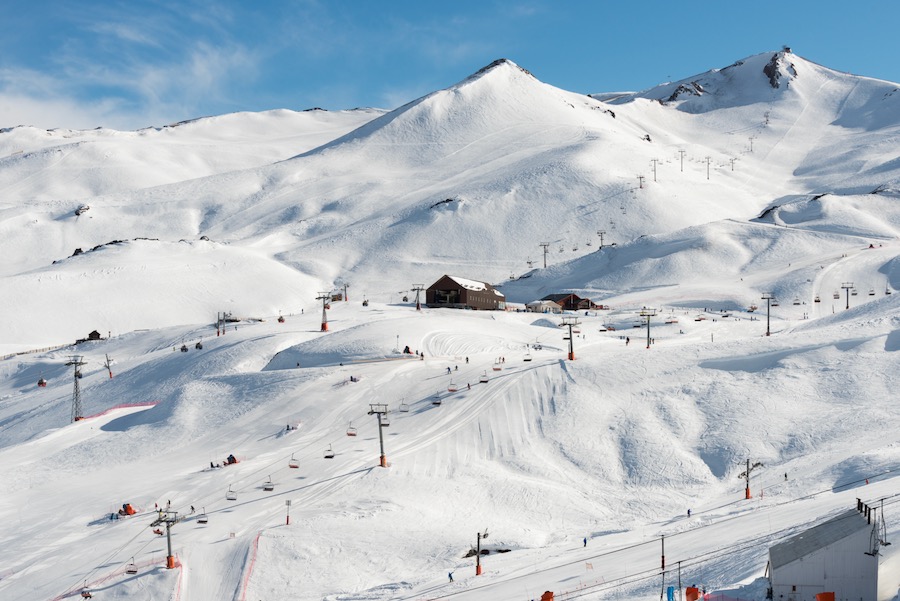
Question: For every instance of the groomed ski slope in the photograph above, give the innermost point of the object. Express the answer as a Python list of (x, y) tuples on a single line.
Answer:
[(614, 446)]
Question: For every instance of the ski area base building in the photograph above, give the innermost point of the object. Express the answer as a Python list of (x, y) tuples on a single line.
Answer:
[(462, 293), (835, 561)]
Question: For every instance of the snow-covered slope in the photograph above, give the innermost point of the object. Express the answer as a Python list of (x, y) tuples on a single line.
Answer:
[(774, 176)]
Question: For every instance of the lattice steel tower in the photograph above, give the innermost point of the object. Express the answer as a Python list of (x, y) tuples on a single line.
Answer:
[(77, 412)]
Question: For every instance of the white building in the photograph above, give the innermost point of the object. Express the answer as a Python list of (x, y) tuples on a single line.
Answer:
[(835, 556), (543, 306)]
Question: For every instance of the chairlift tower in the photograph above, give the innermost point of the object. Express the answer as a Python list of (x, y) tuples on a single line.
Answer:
[(324, 297), (647, 314), (169, 518), (77, 411), (570, 322), (481, 535), (379, 409), (346, 297), (108, 365), (746, 476), (418, 288), (545, 246), (848, 286), (601, 233), (768, 297)]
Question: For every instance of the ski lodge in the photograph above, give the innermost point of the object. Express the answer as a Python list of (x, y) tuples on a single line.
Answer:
[(571, 302), (462, 293), (837, 559)]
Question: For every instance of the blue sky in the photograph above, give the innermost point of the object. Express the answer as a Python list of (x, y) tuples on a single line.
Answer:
[(131, 64)]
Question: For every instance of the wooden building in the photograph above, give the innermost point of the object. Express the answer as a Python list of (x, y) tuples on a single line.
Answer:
[(571, 302), (838, 557), (462, 293)]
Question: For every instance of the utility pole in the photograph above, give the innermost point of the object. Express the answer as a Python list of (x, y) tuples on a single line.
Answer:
[(108, 365), (708, 159), (654, 162), (746, 476), (640, 181), (324, 297), (478, 551), (287, 503), (169, 518), (379, 409), (768, 297), (418, 288), (647, 314), (346, 285), (847, 286), (601, 233), (681, 152), (77, 411), (570, 322), (545, 245)]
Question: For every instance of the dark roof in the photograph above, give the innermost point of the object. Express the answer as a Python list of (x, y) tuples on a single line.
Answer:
[(817, 537), (558, 297)]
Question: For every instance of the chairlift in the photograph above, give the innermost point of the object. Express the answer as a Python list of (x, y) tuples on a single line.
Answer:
[(293, 463), (836, 295), (86, 593), (281, 319), (796, 301), (78, 374), (351, 431), (199, 346), (774, 303), (131, 569), (42, 383), (230, 495), (871, 292), (405, 299), (452, 387), (329, 453), (484, 378), (817, 299), (184, 348), (497, 365), (527, 356), (404, 407), (853, 292), (437, 399), (365, 302), (202, 519), (887, 290), (752, 308), (268, 485)]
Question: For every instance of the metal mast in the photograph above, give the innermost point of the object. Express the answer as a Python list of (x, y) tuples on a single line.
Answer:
[(379, 409), (418, 288), (77, 411), (324, 297)]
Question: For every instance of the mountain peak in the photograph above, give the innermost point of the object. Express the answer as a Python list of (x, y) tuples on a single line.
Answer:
[(780, 66), (500, 63)]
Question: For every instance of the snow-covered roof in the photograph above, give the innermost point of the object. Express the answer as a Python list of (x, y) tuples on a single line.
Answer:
[(474, 285), (817, 537)]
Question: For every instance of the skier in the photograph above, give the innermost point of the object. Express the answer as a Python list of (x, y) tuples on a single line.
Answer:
[(627, 340), (450, 576), (689, 513), (585, 541), (448, 369)]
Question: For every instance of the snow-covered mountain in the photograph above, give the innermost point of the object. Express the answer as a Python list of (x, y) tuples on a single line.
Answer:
[(774, 175)]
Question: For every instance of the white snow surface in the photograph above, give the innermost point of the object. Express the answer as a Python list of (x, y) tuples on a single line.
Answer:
[(790, 191)]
